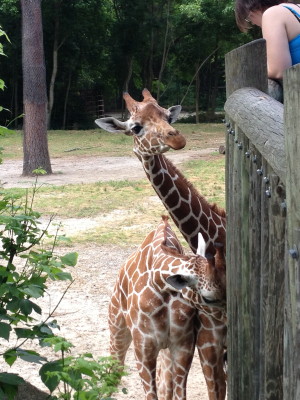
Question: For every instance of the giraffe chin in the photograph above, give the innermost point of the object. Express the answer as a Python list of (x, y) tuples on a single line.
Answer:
[(163, 148), (212, 303), (176, 142)]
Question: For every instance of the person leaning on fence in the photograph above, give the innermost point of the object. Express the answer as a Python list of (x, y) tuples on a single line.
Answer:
[(280, 23)]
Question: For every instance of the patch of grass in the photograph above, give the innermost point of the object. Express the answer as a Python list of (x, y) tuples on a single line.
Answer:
[(99, 143), (124, 211), (208, 176), (79, 201)]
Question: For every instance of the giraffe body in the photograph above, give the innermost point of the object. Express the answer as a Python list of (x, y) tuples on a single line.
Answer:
[(149, 124), (151, 307)]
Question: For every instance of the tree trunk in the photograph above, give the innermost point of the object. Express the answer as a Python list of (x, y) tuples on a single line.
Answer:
[(66, 100), (35, 143), (127, 80), (56, 47), (148, 69), (165, 52), (213, 90), (197, 94), (54, 72)]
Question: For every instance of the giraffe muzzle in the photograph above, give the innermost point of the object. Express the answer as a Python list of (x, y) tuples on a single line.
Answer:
[(175, 140)]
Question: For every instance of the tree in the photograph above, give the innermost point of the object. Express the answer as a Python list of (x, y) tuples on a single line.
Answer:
[(35, 143), (102, 47)]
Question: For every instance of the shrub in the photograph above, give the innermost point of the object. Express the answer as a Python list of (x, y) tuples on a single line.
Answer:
[(26, 266)]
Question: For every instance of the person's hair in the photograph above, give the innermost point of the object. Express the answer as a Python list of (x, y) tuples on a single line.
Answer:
[(244, 7)]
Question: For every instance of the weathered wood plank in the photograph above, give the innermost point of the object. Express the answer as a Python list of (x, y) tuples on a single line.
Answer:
[(255, 254), (292, 278), (246, 66), (233, 253), (272, 289), (261, 364), (261, 118), (244, 315)]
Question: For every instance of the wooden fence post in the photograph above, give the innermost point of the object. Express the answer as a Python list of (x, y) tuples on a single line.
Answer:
[(244, 67), (292, 277)]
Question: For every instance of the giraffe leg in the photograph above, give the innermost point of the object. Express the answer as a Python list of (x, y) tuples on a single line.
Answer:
[(146, 352), (174, 369), (165, 376), (120, 336), (182, 357), (210, 345)]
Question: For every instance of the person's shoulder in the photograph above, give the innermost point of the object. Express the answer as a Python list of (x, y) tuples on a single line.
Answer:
[(277, 11)]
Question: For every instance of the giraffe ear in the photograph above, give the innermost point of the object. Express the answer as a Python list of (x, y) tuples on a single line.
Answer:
[(180, 281), (111, 124), (174, 112)]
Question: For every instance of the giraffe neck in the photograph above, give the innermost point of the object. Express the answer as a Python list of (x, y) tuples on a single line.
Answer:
[(189, 210)]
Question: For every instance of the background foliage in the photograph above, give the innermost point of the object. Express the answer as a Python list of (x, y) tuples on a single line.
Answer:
[(104, 47)]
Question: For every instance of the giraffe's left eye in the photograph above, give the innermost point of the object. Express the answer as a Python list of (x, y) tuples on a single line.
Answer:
[(137, 129)]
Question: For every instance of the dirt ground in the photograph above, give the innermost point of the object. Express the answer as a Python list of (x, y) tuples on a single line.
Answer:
[(76, 169), (82, 314)]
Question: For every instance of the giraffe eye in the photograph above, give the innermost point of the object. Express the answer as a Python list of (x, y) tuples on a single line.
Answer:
[(137, 129)]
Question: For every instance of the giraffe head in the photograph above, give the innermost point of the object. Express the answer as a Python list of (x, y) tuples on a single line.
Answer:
[(204, 284), (149, 124), (199, 278)]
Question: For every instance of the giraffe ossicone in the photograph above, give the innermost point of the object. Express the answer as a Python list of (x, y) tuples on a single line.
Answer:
[(153, 306)]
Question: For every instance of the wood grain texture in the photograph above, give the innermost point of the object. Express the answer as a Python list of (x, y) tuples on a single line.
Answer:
[(261, 118), (256, 173), (292, 277)]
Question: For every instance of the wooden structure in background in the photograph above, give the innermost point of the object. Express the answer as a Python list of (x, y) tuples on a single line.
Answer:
[(263, 229), (94, 103)]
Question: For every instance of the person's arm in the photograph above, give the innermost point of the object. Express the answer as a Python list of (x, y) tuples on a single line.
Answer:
[(278, 52)]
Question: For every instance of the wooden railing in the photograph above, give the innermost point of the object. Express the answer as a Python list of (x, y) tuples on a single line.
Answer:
[(263, 229)]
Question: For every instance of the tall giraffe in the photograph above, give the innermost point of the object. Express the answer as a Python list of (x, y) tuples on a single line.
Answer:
[(155, 302), (149, 124)]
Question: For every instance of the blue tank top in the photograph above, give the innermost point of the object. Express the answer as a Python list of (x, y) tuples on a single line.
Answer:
[(294, 44)]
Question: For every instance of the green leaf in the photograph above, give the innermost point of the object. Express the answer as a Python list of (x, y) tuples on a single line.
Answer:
[(23, 333), (46, 329), (36, 308), (26, 306), (33, 291), (85, 367), (7, 391), (30, 356), (14, 304), (11, 379), (63, 276), (10, 357), (70, 259), (5, 330), (51, 381)]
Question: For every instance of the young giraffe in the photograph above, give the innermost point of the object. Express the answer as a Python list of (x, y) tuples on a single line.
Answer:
[(151, 306), (149, 124)]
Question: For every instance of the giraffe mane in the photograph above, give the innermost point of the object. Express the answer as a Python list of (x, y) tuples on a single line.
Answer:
[(213, 206)]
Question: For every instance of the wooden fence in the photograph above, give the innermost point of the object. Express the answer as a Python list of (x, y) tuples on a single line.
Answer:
[(263, 229)]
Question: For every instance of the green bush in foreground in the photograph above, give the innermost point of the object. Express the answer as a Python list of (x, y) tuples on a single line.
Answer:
[(26, 265)]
